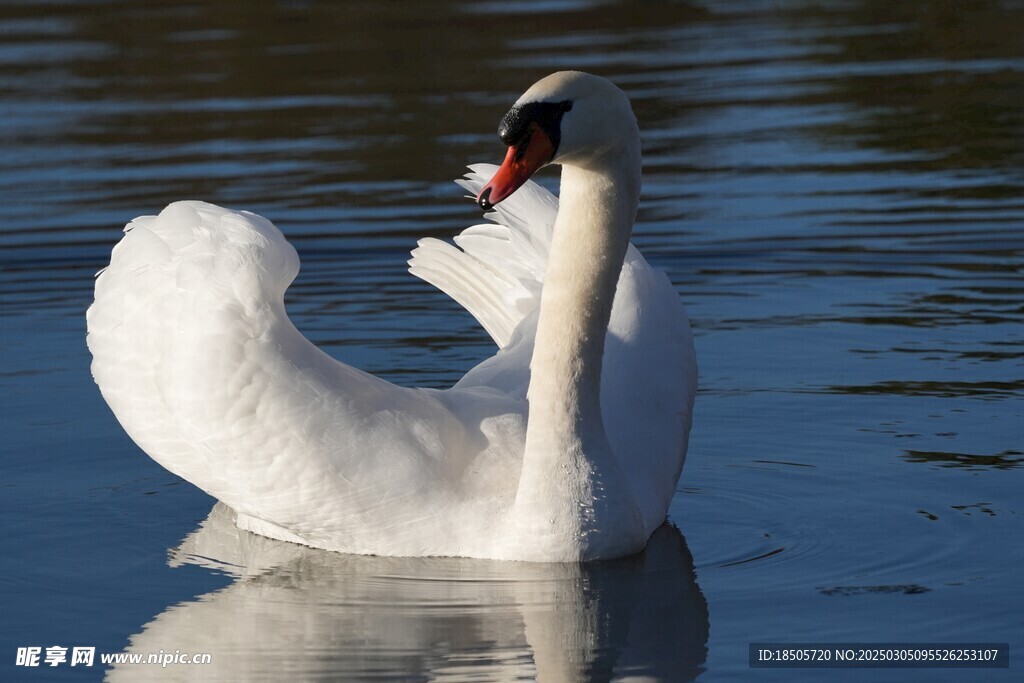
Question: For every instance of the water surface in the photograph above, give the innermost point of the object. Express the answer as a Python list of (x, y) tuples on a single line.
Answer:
[(836, 191)]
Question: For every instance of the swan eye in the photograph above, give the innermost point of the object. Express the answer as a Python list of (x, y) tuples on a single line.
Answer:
[(523, 144), (515, 125)]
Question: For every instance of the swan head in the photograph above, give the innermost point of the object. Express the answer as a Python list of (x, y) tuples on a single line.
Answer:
[(569, 117)]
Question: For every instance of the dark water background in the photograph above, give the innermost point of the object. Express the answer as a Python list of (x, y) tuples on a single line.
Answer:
[(836, 189)]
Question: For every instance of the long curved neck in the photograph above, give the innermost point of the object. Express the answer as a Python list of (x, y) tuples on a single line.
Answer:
[(570, 485), (597, 207)]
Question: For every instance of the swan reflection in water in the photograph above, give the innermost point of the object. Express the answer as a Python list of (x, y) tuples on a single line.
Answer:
[(297, 613)]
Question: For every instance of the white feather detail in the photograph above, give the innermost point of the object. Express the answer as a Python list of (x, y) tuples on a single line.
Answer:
[(495, 271)]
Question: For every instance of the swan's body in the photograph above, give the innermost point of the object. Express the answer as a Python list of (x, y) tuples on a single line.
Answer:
[(196, 356)]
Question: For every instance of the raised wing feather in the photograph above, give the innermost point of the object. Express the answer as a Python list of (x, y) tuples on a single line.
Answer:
[(494, 270)]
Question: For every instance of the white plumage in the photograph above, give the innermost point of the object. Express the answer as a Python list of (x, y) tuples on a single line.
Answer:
[(196, 356), (497, 270)]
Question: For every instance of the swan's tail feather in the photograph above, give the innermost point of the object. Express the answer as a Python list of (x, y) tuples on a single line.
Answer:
[(195, 278), (193, 351), (494, 271)]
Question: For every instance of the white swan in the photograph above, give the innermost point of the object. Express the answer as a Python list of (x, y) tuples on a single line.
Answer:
[(194, 353)]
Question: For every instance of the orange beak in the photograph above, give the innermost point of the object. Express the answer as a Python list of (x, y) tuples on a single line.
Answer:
[(521, 162)]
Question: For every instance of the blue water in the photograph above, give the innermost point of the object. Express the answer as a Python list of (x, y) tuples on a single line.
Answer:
[(837, 192)]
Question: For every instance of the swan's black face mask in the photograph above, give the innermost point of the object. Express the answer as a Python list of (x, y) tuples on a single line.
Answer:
[(514, 126), (532, 132)]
